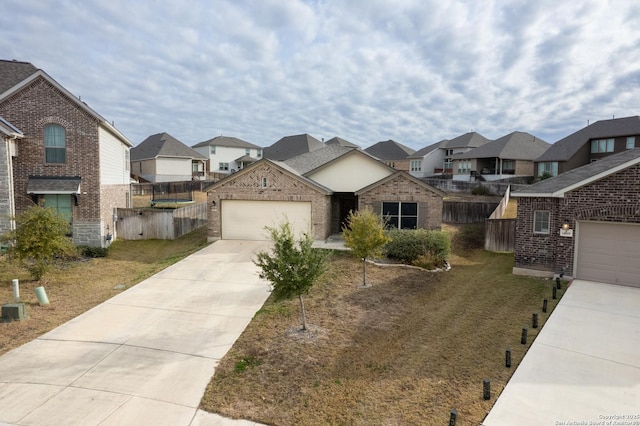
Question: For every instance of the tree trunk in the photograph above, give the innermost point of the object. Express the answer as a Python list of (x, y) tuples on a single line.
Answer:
[(364, 272), (304, 315)]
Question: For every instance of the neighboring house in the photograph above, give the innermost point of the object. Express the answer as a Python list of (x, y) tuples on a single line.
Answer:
[(457, 146), (584, 223), (392, 153), (292, 146), (591, 143), (341, 142), (9, 135), (427, 162), (68, 158), (315, 192), (507, 157), (437, 159), (227, 154), (163, 158)]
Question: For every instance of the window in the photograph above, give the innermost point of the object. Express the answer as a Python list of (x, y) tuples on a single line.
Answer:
[(264, 182), (541, 222), (212, 149), (631, 142), (508, 166), (464, 166), (55, 144), (60, 203), (400, 215), (601, 145), (247, 151), (448, 152), (416, 165), (548, 167), (223, 166), (259, 153), (448, 164)]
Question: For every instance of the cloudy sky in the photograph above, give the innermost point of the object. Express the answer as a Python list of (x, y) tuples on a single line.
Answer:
[(415, 71)]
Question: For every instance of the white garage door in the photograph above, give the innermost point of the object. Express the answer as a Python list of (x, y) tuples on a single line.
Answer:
[(246, 220), (608, 252)]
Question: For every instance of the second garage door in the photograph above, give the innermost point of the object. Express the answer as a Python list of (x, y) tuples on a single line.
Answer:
[(608, 252), (246, 220)]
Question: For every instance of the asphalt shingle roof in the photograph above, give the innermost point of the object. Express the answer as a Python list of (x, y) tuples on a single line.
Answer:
[(291, 146), (514, 146), (468, 140), (574, 178), (427, 149), (13, 72), (163, 144), (309, 161), (341, 142), (565, 148), (228, 141), (390, 150)]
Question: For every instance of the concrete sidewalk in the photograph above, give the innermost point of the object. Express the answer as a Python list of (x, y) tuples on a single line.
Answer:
[(145, 356), (584, 366)]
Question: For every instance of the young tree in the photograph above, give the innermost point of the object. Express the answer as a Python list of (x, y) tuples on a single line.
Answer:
[(364, 235), (293, 266), (40, 239)]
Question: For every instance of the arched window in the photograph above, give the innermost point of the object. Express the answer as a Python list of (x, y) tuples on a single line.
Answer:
[(55, 144)]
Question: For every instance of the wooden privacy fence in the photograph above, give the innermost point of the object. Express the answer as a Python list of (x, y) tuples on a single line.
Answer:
[(161, 224), (500, 235), (466, 212)]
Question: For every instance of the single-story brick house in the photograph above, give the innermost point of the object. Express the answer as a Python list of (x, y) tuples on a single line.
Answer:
[(584, 223), (315, 192)]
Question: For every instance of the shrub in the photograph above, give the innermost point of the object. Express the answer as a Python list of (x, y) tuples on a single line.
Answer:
[(480, 190), (419, 247), (471, 236), (94, 252)]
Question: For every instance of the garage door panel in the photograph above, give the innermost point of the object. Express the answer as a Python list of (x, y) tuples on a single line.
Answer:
[(246, 219), (608, 252)]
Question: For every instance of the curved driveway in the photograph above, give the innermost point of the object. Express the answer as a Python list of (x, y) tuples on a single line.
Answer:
[(145, 356)]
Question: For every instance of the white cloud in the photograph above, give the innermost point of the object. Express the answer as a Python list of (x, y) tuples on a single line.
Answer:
[(413, 71)]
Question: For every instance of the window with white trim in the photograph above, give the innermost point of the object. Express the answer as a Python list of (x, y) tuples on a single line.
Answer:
[(223, 166), (415, 165), (402, 215), (212, 149), (541, 221)]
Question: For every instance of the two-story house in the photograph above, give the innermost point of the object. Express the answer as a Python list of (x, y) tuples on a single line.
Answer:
[(226, 154), (163, 158), (64, 155), (591, 143), (507, 157), (392, 153), (437, 159)]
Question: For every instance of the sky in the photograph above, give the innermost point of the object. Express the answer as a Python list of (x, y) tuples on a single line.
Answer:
[(414, 71)]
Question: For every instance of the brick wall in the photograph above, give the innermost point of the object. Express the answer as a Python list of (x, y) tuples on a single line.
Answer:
[(247, 185), (615, 198), (30, 110), (401, 188)]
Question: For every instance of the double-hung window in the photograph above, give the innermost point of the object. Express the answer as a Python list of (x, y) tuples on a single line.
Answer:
[(416, 165), (541, 220), (402, 215), (223, 166), (55, 144), (631, 142)]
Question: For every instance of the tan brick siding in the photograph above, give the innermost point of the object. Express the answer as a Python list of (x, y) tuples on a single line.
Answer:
[(247, 185)]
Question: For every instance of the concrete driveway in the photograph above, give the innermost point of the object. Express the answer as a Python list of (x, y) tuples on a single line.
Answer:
[(584, 366), (143, 357)]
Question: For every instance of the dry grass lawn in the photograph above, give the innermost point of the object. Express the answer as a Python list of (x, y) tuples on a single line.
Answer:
[(408, 350), (84, 284), (405, 351)]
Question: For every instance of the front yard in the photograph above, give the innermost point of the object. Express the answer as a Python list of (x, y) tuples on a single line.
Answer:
[(406, 351)]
